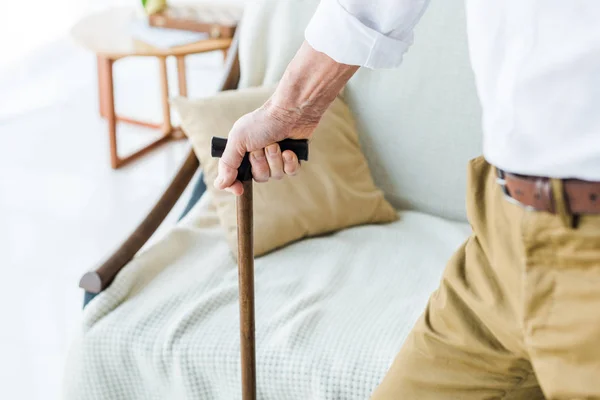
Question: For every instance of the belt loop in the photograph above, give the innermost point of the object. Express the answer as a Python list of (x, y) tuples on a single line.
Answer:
[(561, 206)]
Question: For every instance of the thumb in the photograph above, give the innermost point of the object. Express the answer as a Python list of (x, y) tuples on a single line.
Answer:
[(230, 162)]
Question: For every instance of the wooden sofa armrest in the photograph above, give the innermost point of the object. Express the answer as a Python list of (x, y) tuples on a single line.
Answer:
[(99, 279)]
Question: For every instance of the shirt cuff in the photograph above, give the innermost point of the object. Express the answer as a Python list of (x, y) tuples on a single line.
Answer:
[(340, 35)]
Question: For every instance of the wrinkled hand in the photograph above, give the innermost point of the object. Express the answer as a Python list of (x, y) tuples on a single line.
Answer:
[(258, 133), (309, 85)]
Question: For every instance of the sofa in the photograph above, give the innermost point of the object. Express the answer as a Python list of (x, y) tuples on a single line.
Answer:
[(331, 311)]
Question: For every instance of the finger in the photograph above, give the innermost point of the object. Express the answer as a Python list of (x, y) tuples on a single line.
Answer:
[(290, 163), (229, 163), (225, 177), (260, 167), (275, 161), (237, 188)]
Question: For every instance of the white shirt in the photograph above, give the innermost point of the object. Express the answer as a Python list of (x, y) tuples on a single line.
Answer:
[(536, 64)]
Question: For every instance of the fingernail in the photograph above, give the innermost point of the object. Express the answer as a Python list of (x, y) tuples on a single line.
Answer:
[(272, 150), (287, 157), (218, 181), (258, 155)]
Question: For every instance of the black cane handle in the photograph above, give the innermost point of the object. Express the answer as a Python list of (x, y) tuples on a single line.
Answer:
[(298, 146)]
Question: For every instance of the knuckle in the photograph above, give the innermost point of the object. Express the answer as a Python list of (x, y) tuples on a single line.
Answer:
[(258, 155), (261, 169), (226, 166), (260, 172), (259, 164)]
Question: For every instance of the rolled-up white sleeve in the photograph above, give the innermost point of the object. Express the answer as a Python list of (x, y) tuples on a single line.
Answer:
[(373, 34)]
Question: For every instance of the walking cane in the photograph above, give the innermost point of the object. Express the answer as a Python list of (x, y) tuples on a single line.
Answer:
[(245, 224)]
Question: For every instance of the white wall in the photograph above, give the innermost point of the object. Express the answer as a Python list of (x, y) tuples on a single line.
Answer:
[(29, 24)]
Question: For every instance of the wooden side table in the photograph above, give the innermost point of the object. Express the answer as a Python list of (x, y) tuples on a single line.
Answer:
[(107, 35)]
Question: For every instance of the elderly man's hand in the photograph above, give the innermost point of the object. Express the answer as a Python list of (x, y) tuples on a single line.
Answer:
[(258, 134), (309, 85)]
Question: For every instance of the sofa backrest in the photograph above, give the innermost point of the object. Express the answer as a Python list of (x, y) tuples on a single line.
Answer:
[(419, 124)]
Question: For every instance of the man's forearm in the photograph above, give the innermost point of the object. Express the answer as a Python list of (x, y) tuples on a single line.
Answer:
[(310, 84)]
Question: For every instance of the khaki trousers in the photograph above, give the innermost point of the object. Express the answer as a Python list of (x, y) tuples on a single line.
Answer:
[(517, 313)]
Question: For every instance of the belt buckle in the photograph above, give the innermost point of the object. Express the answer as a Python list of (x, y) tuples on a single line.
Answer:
[(501, 180)]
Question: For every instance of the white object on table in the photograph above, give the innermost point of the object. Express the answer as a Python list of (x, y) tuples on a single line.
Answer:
[(161, 37)]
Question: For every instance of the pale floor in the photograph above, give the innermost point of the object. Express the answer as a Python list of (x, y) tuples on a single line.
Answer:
[(62, 209)]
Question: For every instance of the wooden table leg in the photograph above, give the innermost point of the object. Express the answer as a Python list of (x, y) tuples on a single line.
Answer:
[(107, 105), (102, 66), (245, 232), (177, 133), (103, 95), (181, 76), (107, 110), (164, 86)]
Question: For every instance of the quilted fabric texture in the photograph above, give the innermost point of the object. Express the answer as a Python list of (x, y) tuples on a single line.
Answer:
[(332, 191), (331, 313)]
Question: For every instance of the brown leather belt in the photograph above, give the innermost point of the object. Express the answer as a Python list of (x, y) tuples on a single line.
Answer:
[(583, 197)]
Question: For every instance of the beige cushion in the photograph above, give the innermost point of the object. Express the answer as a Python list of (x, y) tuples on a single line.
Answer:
[(333, 190)]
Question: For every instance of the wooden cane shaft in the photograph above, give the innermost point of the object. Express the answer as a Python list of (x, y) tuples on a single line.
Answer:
[(246, 288)]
